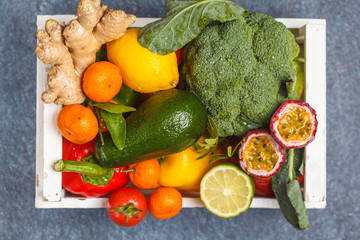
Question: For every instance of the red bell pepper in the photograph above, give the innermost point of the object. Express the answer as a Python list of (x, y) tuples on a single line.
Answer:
[(77, 173)]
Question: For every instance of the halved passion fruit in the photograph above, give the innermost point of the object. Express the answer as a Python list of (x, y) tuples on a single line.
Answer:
[(260, 154), (294, 124)]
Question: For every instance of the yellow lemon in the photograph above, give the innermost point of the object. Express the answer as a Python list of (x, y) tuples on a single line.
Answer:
[(141, 69)]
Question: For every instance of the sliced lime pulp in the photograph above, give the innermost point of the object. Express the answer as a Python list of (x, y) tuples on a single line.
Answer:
[(226, 190)]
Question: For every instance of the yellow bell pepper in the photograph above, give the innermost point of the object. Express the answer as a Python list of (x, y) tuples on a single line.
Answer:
[(182, 170)]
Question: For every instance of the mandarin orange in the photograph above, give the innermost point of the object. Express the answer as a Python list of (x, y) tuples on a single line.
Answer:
[(165, 202), (77, 123), (102, 81), (145, 174)]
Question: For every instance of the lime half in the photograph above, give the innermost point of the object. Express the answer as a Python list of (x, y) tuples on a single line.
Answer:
[(226, 190)]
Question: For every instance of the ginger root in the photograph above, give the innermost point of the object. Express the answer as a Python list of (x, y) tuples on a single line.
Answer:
[(71, 49)]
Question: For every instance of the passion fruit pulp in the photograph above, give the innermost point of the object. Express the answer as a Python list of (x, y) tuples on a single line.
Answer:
[(294, 124), (260, 155)]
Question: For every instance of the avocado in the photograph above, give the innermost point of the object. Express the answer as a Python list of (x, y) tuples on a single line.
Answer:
[(168, 122)]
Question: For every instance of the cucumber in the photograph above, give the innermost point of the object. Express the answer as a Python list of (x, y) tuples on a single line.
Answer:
[(168, 122)]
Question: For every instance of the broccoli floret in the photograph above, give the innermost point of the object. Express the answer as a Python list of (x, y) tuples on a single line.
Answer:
[(239, 70), (274, 45)]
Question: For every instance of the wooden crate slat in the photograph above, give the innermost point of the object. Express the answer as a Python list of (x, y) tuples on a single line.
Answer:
[(315, 94)]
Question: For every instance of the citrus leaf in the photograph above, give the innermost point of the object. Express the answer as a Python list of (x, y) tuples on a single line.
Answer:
[(113, 108), (117, 127), (184, 21), (127, 97)]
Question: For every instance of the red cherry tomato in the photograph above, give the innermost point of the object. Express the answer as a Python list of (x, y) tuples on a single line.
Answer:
[(179, 56), (127, 206)]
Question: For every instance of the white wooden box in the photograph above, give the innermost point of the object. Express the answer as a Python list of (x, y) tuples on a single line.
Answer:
[(311, 36)]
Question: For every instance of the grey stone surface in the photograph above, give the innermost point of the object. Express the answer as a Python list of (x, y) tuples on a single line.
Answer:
[(19, 219)]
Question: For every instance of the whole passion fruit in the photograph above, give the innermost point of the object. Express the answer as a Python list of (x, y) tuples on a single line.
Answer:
[(260, 155), (294, 124)]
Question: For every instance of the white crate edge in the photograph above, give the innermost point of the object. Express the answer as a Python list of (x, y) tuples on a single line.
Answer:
[(49, 193)]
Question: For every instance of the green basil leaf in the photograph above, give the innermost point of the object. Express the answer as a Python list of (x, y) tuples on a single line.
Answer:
[(184, 21), (287, 191), (117, 127), (114, 108)]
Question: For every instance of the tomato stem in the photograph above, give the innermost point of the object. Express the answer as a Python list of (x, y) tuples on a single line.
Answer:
[(128, 210)]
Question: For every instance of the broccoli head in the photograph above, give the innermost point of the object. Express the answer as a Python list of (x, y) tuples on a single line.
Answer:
[(239, 69)]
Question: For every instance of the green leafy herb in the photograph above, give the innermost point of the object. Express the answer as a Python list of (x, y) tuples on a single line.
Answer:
[(183, 22), (230, 151), (113, 108), (209, 147), (117, 127), (287, 190), (215, 158)]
